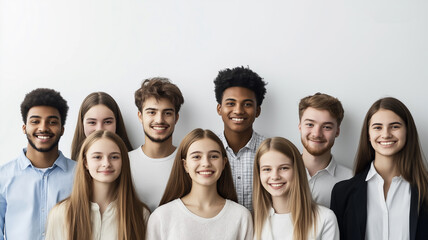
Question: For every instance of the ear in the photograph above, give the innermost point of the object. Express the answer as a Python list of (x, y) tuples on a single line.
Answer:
[(219, 109), (258, 111), (24, 129), (338, 132), (185, 165), (140, 117), (300, 126), (224, 162), (85, 163), (62, 131), (177, 116)]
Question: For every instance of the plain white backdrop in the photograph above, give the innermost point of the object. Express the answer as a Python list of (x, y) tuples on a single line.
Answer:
[(358, 51)]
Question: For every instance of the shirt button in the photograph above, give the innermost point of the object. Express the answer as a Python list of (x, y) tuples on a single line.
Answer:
[(239, 177)]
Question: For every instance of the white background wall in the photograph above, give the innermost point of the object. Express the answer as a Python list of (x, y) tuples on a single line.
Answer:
[(358, 51)]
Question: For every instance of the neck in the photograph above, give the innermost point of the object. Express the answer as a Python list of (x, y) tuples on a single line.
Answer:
[(316, 163), (281, 204), (158, 150), (237, 140), (102, 195), (386, 167), (202, 196), (41, 159)]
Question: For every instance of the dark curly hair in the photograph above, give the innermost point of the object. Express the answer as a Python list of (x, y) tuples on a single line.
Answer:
[(158, 87), (44, 97), (239, 77)]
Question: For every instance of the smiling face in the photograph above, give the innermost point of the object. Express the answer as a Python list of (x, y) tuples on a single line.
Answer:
[(43, 128), (158, 119), (318, 130), (99, 117), (204, 162), (104, 161), (276, 173), (238, 109), (387, 133)]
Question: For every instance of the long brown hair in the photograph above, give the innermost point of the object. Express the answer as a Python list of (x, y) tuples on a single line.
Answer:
[(130, 215), (303, 210), (410, 160), (91, 100), (180, 183)]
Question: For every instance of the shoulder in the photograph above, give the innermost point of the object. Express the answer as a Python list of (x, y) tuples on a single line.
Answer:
[(138, 152), (326, 214), (166, 210), (258, 137), (342, 171), (349, 184), (237, 209), (58, 212)]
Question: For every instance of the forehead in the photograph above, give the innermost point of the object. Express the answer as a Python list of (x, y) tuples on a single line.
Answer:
[(43, 111), (204, 145), (238, 93), (274, 158), (318, 115), (103, 145), (162, 103), (385, 116), (99, 110)]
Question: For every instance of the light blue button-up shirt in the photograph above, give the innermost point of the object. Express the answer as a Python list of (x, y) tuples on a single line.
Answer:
[(28, 193)]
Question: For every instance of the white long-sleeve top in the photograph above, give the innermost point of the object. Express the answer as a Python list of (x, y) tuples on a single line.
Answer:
[(104, 227), (280, 226), (174, 221)]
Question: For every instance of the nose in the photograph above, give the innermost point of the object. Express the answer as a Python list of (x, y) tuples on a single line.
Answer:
[(106, 162), (159, 118), (316, 131), (275, 175), (43, 126), (238, 109), (99, 126), (205, 161), (386, 133)]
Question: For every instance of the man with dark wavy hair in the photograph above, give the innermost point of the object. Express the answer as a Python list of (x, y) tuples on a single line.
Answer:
[(41, 176)]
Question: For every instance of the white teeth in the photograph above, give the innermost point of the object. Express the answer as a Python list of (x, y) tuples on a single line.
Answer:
[(43, 137), (205, 173), (386, 143), (238, 119), (277, 184), (159, 128)]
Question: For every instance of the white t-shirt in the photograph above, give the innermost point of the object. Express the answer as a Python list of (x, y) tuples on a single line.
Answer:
[(150, 176), (174, 221), (322, 183), (280, 226)]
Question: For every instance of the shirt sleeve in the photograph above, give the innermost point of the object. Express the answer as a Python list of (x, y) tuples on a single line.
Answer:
[(3, 205), (330, 229), (249, 223), (154, 227)]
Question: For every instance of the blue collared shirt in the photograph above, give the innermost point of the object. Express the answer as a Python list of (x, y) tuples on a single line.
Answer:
[(28, 193)]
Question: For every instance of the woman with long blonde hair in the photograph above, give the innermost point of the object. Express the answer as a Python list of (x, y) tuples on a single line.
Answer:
[(103, 203), (99, 111), (200, 199), (283, 205)]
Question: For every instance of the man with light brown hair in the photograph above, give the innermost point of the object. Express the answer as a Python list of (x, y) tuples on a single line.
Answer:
[(320, 118), (158, 102)]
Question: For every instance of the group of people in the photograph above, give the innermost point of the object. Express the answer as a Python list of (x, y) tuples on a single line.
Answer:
[(236, 184)]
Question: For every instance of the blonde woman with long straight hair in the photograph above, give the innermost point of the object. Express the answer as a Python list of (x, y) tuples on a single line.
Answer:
[(283, 205), (103, 203), (200, 200)]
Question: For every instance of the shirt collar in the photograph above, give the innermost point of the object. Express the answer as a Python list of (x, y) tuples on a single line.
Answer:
[(250, 144), (372, 172), (331, 167), (60, 162)]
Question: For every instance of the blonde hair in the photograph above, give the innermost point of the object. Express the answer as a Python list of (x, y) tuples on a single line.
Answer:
[(304, 210), (180, 183), (130, 215)]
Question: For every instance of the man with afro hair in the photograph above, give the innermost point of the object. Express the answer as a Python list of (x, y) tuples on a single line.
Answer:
[(239, 94)]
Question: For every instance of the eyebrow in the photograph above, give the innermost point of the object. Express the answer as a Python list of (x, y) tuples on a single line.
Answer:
[(102, 153), (37, 116), (211, 151), (103, 119), (311, 120), (380, 124), (245, 100), (284, 164), (156, 109)]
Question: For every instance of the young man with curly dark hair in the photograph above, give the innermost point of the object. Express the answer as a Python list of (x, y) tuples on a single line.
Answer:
[(41, 176), (158, 102), (239, 94)]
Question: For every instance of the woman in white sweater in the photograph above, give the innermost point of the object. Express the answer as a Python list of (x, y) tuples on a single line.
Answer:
[(103, 203), (283, 205), (200, 199)]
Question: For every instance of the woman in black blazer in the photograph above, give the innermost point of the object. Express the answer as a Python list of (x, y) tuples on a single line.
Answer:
[(388, 151)]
